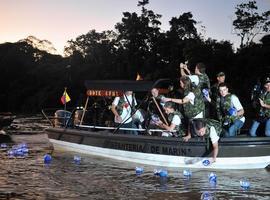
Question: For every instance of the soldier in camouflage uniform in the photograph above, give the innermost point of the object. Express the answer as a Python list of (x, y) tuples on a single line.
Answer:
[(264, 113), (230, 112), (215, 93), (209, 129), (174, 118), (203, 83), (192, 102)]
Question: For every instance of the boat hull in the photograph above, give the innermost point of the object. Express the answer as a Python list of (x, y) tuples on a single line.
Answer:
[(234, 153)]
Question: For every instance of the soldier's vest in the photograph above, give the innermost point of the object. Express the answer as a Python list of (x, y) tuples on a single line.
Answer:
[(209, 123), (122, 102), (178, 128), (190, 110), (266, 99), (223, 106)]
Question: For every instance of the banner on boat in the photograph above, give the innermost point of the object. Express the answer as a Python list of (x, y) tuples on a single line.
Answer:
[(104, 93)]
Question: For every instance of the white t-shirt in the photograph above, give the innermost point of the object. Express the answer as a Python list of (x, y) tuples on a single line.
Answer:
[(176, 120), (237, 105), (126, 109), (194, 79), (191, 97), (213, 135)]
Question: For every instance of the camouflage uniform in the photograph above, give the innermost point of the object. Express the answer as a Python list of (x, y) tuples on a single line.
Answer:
[(179, 128), (204, 81), (190, 110), (265, 112), (223, 105), (209, 123)]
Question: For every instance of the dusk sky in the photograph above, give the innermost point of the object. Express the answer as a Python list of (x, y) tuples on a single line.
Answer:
[(61, 20)]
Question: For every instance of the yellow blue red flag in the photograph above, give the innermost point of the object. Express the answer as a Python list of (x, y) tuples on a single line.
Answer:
[(65, 98)]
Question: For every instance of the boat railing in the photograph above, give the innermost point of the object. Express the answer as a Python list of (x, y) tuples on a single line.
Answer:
[(126, 129)]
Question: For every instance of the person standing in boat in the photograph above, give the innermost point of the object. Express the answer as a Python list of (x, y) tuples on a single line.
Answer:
[(215, 93), (264, 112), (192, 102), (122, 109), (175, 126), (210, 130), (230, 111)]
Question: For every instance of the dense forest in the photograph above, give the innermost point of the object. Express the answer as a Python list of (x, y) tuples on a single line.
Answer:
[(32, 79)]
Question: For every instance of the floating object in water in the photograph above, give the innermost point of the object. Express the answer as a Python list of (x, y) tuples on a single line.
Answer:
[(3, 145), (47, 159), (206, 196), (245, 184), (206, 162), (212, 177), (161, 173), (77, 159), (187, 172), (139, 170)]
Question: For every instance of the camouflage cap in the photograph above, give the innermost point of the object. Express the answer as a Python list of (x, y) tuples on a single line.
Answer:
[(267, 80), (220, 74)]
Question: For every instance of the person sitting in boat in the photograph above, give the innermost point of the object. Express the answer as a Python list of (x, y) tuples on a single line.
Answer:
[(122, 109), (154, 110), (192, 102), (230, 111), (264, 112), (174, 127), (210, 130)]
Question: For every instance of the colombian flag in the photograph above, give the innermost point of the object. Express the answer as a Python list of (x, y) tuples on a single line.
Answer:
[(65, 98)]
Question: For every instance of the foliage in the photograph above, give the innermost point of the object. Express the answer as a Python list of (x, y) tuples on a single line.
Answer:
[(249, 22)]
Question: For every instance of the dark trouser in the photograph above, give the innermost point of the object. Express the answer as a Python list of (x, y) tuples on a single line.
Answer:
[(127, 125)]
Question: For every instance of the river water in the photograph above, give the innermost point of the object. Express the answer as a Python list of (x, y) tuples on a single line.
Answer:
[(103, 178)]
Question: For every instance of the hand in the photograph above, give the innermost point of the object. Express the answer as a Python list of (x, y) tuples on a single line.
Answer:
[(166, 99), (118, 119), (212, 160), (159, 123), (262, 103), (186, 138)]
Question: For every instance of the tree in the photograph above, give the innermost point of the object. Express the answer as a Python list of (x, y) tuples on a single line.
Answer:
[(249, 23), (137, 37)]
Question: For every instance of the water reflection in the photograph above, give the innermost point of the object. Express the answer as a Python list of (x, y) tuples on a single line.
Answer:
[(100, 178)]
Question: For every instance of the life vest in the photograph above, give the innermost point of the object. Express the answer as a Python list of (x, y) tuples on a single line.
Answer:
[(266, 99), (191, 110), (211, 123), (223, 106), (123, 103), (178, 128)]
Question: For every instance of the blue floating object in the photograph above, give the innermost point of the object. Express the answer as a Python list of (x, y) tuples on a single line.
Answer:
[(139, 170), (156, 172), (47, 159), (245, 184), (77, 159), (212, 177), (3, 145), (25, 150), (22, 145), (205, 92), (11, 152), (187, 172), (163, 173), (232, 112), (206, 196), (206, 162)]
